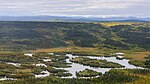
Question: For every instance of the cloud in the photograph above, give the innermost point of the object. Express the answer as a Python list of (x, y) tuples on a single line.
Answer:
[(75, 7)]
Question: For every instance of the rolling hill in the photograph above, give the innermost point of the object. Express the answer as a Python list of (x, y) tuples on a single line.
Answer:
[(27, 35)]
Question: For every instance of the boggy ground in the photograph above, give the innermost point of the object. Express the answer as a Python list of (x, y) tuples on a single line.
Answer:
[(96, 63), (24, 72), (114, 76), (136, 57), (18, 65)]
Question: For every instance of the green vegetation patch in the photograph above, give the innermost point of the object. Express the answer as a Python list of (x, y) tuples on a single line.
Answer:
[(147, 62), (27, 65), (114, 76), (88, 73), (96, 63), (17, 58), (21, 36)]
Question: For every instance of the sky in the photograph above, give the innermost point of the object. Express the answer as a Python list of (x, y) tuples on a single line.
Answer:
[(86, 8)]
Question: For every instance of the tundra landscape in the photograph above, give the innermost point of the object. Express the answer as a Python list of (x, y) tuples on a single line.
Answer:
[(74, 52), (74, 42)]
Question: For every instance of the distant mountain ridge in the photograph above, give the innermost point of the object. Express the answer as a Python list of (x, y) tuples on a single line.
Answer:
[(71, 18)]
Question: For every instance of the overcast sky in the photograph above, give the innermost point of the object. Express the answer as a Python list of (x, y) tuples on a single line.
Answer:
[(105, 8)]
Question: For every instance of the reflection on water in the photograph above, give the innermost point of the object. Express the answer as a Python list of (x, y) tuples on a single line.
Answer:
[(29, 54), (5, 78), (75, 67), (79, 67), (123, 62), (41, 65), (15, 64), (43, 74)]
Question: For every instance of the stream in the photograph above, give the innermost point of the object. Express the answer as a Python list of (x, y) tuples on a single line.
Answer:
[(76, 67)]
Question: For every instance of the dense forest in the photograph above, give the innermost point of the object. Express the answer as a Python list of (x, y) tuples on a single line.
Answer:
[(32, 35)]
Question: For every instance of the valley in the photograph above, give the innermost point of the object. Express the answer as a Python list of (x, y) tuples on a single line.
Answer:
[(74, 52)]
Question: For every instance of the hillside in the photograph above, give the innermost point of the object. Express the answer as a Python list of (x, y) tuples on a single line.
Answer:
[(33, 35)]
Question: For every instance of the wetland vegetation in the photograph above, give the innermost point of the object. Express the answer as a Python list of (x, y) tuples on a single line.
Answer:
[(96, 63), (49, 42), (88, 73), (114, 76)]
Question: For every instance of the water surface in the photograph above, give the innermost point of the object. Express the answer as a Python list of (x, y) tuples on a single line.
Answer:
[(76, 67)]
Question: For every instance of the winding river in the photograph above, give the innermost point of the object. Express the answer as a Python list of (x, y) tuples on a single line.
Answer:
[(76, 67), (79, 67)]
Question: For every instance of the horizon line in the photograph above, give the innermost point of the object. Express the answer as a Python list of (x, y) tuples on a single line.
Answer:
[(84, 16)]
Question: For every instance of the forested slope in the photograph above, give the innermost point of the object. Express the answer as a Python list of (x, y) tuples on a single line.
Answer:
[(32, 35)]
